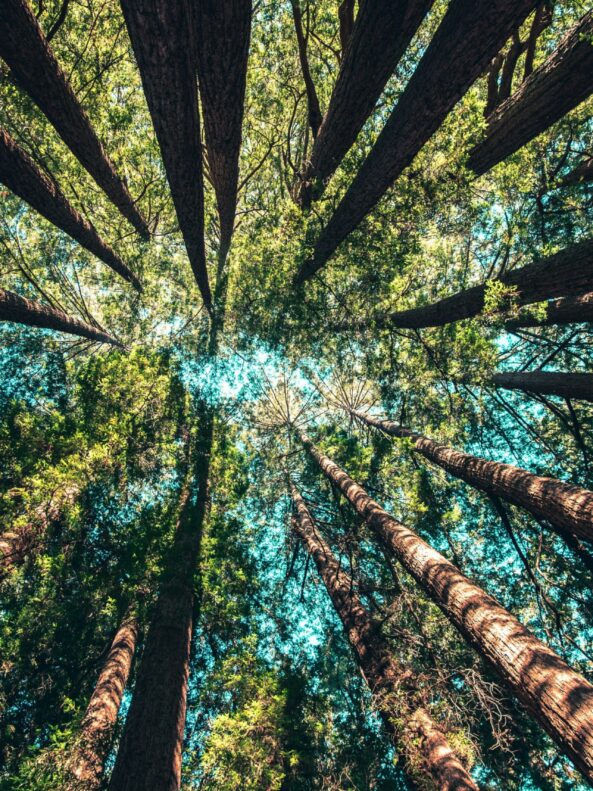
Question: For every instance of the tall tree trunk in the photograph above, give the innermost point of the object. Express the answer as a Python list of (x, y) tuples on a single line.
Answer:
[(577, 386), (21, 175), (25, 311), (222, 43), (380, 36), (163, 38), (551, 91), (98, 725), (470, 35), (582, 174), (346, 20), (560, 699), (571, 310), (424, 747), (313, 109), (28, 55)]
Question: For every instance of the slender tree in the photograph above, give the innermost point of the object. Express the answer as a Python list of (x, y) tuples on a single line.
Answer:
[(570, 310), (566, 385), (470, 35), (313, 108), (426, 752), (560, 699), (163, 38), (21, 175), (561, 83), (35, 68)]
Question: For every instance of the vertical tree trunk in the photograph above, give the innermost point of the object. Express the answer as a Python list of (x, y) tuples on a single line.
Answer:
[(556, 87), (470, 35), (98, 725), (426, 753), (571, 310), (380, 36), (222, 43), (577, 386), (313, 109), (346, 20), (25, 311), (163, 39), (28, 55), (560, 699), (21, 175)]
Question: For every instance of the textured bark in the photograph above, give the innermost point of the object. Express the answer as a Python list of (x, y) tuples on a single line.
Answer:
[(560, 699), (222, 44), (162, 35), (572, 310), (21, 175), (346, 19), (470, 35), (25, 311), (98, 725), (562, 82), (577, 386), (28, 55), (313, 109), (582, 174), (423, 745), (380, 36)]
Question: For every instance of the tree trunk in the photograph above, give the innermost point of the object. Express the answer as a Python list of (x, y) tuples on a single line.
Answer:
[(346, 20), (572, 310), (470, 35), (98, 725), (426, 753), (582, 174), (22, 176), (25, 311), (560, 699), (313, 109), (550, 92), (380, 36), (577, 386), (163, 39), (222, 44), (28, 55)]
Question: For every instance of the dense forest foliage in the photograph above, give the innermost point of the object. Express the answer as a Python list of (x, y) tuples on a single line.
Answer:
[(296, 425)]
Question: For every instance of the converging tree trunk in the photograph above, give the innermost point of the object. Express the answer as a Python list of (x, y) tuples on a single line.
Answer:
[(396, 694), (380, 36), (561, 83), (162, 33), (571, 310), (470, 35), (223, 31), (15, 308), (313, 108), (28, 55), (560, 699), (22, 176), (577, 386)]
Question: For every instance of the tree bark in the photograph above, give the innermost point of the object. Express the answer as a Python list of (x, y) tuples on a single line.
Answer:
[(577, 386), (427, 755), (98, 725), (35, 68), (25, 311), (571, 310), (562, 82), (380, 36), (582, 174), (470, 35), (313, 109), (22, 176), (163, 38), (346, 20), (560, 699), (223, 31)]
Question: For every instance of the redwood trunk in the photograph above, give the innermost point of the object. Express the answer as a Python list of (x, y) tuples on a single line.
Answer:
[(560, 699), (313, 109), (393, 687), (31, 60), (223, 31), (583, 174), (25, 311), (572, 310), (577, 386), (380, 37), (562, 82), (163, 39), (21, 175), (470, 35)]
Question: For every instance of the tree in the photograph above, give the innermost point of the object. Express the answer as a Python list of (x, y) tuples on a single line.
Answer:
[(578, 386), (570, 310)]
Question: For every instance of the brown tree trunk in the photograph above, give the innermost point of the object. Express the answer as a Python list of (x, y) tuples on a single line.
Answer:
[(21, 175), (222, 44), (572, 310), (577, 386), (560, 699), (25, 311), (470, 35), (98, 725), (28, 55), (423, 745), (313, 109), (582, 174), (380, 36), (163, 39), (549, 93), (346, 19)]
